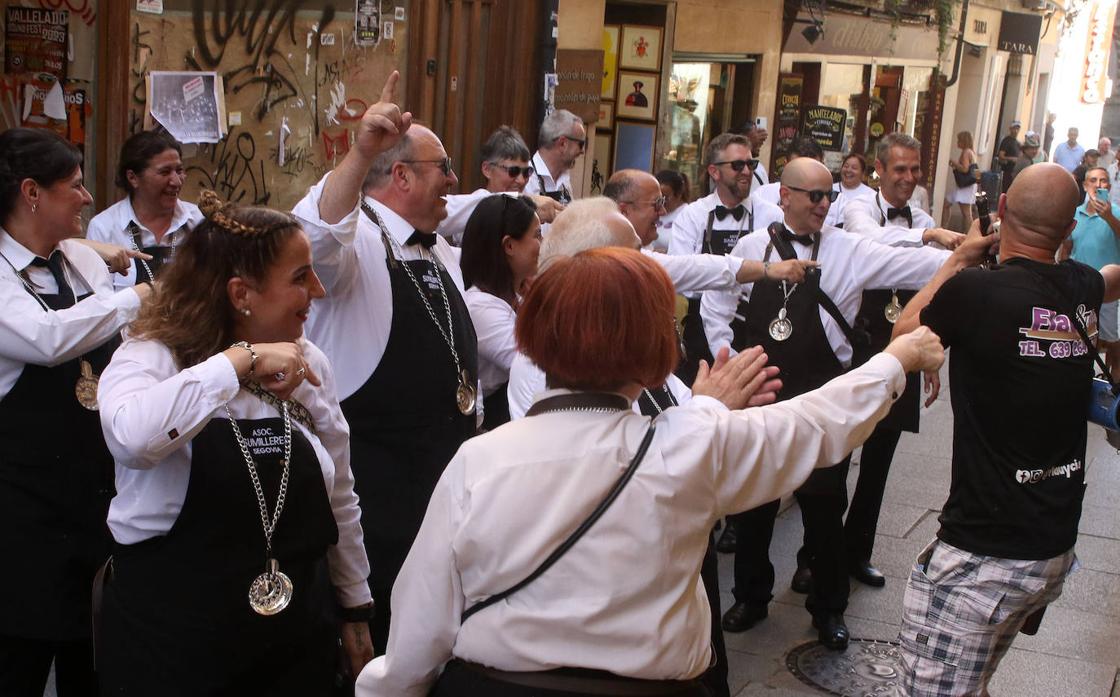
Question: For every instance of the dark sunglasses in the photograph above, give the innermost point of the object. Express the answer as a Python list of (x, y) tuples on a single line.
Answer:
[(815, 195), (444, 164), (739, 165), (582, 143), (515, 171)]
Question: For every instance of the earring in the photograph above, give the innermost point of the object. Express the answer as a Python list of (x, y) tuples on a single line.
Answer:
[(246, 311), (34, 207)]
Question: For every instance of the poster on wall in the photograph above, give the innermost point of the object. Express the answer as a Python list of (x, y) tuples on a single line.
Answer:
[(640, 48), (633, 148), (638, 95), (601, 166), (610, 60), (367, 22), (35, 41), (787, 120), (189, 105), (825, 125)]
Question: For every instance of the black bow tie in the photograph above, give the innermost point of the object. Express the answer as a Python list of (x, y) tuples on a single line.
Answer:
[(428, 239), (893, 213), (736, 212), (806, 240)]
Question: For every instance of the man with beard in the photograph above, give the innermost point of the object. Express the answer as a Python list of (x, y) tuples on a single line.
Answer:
[(563, 138)]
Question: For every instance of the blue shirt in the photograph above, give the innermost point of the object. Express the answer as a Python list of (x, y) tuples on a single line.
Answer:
[(1068, 157), (1094, 242)]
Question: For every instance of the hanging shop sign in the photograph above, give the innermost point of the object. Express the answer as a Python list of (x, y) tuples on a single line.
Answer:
[(1018, 32), (825, 125), (787, 120), (1095, 85), (580, 82)]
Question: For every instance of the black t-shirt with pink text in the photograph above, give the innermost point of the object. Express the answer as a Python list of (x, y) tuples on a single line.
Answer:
[(1019, 376)]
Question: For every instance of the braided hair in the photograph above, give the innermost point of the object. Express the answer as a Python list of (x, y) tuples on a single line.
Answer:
[(190, 311)]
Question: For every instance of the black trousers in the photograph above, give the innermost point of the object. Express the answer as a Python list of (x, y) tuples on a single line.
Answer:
[(458, 680), (379, 625), (26, 663), (863, 516), (716, 677), (822, 498)]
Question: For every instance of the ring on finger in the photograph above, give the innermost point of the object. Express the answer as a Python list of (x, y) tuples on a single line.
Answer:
[(301, 371), (280, 376)]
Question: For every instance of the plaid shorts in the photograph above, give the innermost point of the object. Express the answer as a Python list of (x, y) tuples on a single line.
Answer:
[(962, 610)]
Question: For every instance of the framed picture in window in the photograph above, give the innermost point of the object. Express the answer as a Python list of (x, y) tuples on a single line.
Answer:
[(601, 167), (633, 147), (640, 48), (610, 60), (637, 95), (606, 116)]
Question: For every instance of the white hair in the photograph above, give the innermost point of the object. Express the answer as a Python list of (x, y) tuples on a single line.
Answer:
[(557, 125), (582, 225)]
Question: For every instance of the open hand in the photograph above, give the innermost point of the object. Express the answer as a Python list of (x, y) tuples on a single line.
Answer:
[(738, 382)]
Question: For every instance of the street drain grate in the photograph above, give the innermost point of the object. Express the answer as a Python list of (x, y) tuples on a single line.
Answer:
[(869, 667)]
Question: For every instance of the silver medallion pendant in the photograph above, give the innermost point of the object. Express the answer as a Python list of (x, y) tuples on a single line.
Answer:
[(893, 310), (85, 389), (270, 592), (465, 395), (781, 328)]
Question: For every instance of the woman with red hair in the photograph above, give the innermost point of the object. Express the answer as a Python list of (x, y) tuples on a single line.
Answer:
[(505, 592)]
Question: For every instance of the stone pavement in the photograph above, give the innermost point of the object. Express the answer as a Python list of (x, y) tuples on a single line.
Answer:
[(1077, 650)]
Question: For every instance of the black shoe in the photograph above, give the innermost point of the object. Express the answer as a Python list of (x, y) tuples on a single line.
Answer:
[(831, 630), (863, 572), (728, 540), (802, 580), (742, 617)]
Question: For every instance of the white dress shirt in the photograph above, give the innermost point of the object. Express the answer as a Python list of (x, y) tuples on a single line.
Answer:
[(493, 320), (459, 210), (867, 215), (665, 230), (111, 225), (689, 227), (527, 383), (849, 262), (769, 193), (31, 335), (353, 322), (835, 215), (540, 169), (627, 597), (692, 273), (145, 400)]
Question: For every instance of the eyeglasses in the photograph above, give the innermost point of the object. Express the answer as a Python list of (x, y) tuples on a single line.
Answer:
[(815, 195), (739, 165), (582, 143), (444, 164), (658, 203), (515, 171)]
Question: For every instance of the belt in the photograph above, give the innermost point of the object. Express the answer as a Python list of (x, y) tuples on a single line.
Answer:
[(583, 681)]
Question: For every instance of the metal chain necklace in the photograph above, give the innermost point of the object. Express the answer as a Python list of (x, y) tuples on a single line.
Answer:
[(270, 592), (465, 393), (85, 387), (781, 327)]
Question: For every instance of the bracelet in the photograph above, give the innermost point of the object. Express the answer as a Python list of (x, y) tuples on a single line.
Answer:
[(362, 613), (252, 354), (766, 270)]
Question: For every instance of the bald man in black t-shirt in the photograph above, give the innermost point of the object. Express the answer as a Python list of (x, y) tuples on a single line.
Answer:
[(1020, 377)]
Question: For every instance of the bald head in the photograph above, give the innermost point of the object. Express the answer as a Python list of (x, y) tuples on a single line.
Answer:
[(800, 177), (1040, 207), (638, 195), (587, 223), (806, 173)]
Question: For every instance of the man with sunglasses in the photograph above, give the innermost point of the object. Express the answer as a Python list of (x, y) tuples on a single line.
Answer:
[(805, 329), (888, 218), (803, 146), (505, 165), (713, 225), (394, 326), (563, 138)]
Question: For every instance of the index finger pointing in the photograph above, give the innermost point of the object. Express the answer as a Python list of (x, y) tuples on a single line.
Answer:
[(389, 91)]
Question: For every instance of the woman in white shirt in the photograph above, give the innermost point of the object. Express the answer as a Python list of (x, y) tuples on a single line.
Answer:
[(60, 324), (235, 520), (622, 609), (674, 187), (501, 244), (152, 218), (850, 186)]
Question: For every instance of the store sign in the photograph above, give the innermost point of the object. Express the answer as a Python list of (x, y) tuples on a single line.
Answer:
[(1095, 85), (787, 121), (580, 86), (825, 125), (1018, 33), (861, 36), (35, 41)]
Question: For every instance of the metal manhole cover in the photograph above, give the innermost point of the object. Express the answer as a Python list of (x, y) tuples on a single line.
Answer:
[(868, 668)]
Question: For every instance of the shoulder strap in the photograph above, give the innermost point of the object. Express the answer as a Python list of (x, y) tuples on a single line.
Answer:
[(574, 537), (830, 307)]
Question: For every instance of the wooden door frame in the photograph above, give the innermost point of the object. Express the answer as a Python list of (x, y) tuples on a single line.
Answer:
[(114, 39)]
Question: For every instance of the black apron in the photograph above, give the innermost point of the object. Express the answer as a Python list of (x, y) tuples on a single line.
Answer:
[(56, 481), (904, 414), (561, 195), (404, 422), (496, 407), (720, 243), (806, 358), (654, 400), (161, 255), (175, 616)]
